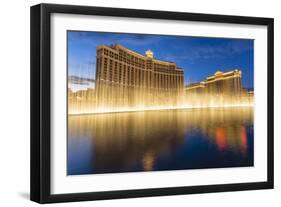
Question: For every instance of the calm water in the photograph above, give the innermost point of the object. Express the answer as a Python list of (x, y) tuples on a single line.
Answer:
[(160, 140)]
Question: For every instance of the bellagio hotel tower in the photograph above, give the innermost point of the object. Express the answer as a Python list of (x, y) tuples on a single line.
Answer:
[(127, 79)]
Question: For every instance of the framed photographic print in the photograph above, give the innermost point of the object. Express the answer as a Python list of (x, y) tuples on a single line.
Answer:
[(133, 103)]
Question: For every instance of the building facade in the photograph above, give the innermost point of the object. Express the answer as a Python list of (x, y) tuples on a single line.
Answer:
[(220, 89), (127, 79), (221, 83)]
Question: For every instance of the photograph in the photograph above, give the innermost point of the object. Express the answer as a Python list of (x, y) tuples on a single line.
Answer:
[(131, 103), (155, 102)]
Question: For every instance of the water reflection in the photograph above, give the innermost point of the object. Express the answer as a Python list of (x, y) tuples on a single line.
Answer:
[(160, 140)]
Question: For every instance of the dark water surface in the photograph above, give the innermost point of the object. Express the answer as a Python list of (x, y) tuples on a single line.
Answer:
[(160, 140)]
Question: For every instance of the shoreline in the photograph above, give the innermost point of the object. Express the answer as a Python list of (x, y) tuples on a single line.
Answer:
[(161, 109)]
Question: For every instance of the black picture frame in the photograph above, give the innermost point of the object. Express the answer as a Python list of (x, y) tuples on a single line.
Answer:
[(41, 98)]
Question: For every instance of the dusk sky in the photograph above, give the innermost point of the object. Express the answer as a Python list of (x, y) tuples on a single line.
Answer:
[(198, 56)]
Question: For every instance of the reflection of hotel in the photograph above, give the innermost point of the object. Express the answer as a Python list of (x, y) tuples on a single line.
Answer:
[(123, 140), (129, 79), (221, 83)]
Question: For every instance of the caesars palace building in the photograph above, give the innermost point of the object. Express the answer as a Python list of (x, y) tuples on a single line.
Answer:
[(221, 83), (125, 78)]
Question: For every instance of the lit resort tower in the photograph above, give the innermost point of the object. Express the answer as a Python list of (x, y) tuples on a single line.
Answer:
[(221, 83), (218, 90), (128, 80)]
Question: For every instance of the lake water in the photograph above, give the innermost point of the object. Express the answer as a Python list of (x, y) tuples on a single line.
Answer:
[(160, 140)]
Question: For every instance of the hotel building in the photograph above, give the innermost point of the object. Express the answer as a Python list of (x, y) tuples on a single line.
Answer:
[(221, 83), (220, 89), (127, 79)]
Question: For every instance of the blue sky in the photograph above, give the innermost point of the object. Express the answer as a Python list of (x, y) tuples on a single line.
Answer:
[(198, 56)]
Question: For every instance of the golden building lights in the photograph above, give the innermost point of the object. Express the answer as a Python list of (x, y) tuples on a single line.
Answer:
[(128, 81), (219, 90), (226, 83)]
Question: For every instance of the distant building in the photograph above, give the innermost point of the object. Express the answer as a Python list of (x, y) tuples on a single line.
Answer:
[(221, 83), (128, 79)]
